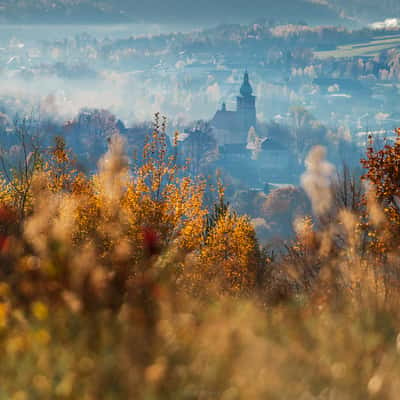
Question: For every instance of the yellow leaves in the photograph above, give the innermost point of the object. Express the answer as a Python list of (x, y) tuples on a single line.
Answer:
[(86, 365), (4, 311), (16, 344), (171, 206), (65, 387), (41, 337), (4, 289), (39, 310), (230, 253), (155, 372), (42, 383), (20, 395)]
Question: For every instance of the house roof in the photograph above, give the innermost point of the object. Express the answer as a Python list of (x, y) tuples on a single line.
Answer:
[(272, 145), (233, 148)]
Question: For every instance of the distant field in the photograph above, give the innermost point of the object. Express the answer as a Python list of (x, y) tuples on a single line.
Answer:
[(368, 49)]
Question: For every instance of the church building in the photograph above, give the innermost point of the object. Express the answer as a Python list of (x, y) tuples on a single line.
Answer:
[(232, 127)]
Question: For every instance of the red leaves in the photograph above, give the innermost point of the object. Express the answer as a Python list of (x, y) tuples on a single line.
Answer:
[(150, 241), (4, 244), (7, 219), (7, 216)]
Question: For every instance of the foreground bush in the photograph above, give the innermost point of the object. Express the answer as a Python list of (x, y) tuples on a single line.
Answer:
[(124, 285)]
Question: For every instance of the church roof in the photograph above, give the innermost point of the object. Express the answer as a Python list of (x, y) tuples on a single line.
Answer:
[(227, 120)]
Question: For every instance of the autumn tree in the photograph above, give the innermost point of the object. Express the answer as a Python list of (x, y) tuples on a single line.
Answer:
[(19, 161), (89, 133), (383, 197)]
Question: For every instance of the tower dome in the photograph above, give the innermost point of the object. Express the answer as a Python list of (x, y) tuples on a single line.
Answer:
[(246, 89)]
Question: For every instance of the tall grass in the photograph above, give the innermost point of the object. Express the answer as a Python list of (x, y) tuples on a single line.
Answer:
[(123, 286)]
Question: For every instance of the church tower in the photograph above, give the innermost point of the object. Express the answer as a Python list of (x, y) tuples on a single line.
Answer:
[(232, 127), (246, 106)]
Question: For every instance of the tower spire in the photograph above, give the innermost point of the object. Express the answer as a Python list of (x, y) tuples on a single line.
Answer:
[(246, 90), (246, 106)]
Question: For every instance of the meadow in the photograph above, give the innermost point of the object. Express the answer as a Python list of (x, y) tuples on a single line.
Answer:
[(368, 49)]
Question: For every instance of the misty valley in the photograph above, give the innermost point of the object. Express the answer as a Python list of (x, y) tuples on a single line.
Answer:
[(310, 85)]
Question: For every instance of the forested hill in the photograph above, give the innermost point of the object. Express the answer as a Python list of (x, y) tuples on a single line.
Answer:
[(365, 11), (155, 11)]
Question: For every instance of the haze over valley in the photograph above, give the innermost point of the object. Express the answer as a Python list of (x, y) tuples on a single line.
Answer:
[(199, 200)]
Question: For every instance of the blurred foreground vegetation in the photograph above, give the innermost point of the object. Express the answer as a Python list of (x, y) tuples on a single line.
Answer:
[(125, 285)]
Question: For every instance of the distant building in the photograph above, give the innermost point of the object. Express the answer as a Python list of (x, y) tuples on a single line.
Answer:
[(274, 160), (231, 127), (231, 142)]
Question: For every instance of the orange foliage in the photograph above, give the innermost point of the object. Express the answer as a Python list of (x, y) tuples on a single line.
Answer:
[(383, 172), (101, 234)]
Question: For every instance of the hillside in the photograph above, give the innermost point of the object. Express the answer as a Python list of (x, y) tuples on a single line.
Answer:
[(203, 11), (366, 11)]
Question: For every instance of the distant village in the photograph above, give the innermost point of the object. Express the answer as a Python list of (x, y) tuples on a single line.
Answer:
[(255, 127)]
